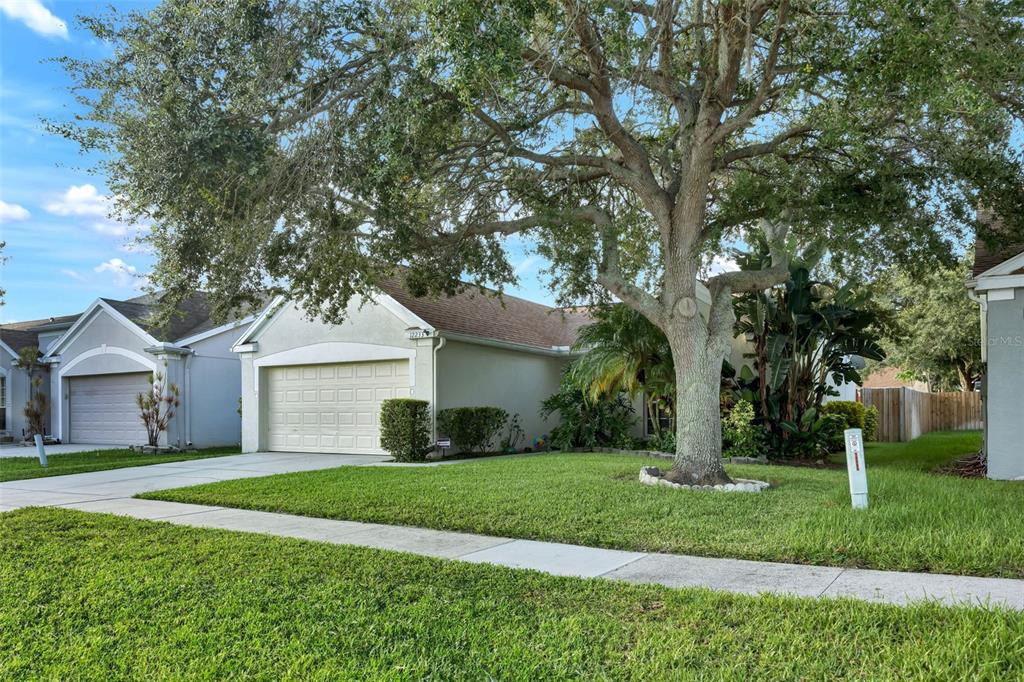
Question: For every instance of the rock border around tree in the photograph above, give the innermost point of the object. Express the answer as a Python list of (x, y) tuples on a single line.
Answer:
[(655, 476)]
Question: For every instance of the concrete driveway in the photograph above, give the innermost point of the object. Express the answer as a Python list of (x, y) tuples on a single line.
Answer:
[(124, 483)]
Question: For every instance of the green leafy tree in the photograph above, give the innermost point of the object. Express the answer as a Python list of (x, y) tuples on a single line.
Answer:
[(319, 145), (623, 352), (937, 335)]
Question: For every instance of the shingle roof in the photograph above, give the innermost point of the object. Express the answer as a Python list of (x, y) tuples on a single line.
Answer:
[(509, 319), (18, 338), (192, 316), (987, 257), (31, 325)]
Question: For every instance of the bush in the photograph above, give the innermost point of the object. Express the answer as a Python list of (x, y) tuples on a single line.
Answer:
[(471, 428), (665, 441), (851, 412), (405, 428), (870, 423), (583, 423), (744, 438), (829, 431)]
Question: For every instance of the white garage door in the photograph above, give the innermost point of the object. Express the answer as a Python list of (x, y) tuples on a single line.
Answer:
[(331, 408), (102, 408)]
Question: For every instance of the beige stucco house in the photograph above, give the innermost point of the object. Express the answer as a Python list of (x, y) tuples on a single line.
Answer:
[(308, 386)]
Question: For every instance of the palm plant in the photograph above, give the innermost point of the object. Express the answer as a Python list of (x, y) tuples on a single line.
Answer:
[(803, 334), (36, 408), (623, 352)]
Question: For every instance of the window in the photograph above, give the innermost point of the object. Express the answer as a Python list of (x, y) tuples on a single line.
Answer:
[(3, 403)]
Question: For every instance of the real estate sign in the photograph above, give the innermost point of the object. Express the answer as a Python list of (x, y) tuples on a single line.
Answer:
[(856, 468)]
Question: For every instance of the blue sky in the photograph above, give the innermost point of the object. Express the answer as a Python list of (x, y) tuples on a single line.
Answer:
[(63, 251)]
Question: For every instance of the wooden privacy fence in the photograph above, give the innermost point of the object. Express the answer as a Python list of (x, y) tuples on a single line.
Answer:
[(904, 414)]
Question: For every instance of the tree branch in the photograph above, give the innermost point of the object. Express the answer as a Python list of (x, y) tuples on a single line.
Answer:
[(758, 280), (762, 148), (609, 274)]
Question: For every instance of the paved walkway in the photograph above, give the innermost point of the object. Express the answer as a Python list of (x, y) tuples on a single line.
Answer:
[(111, 491), (19, 450)]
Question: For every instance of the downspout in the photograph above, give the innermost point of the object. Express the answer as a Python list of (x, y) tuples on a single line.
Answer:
[(983, 303), (188, 398), (433, 385)]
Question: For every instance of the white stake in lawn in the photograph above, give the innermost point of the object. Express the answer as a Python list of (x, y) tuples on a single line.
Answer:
[(856, 467)]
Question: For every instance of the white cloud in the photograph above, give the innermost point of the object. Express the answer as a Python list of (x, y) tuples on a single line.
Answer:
[(12, 212), (73, 274), (80, 200), (33, 14), (125, 275), (109, 227)]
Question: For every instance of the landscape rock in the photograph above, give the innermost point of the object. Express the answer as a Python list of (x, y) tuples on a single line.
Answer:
[(655, 476)]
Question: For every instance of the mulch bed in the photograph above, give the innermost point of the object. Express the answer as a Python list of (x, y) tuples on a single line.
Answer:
[(969, 466)]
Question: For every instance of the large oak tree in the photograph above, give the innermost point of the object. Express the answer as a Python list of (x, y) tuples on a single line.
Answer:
[(316, 146)]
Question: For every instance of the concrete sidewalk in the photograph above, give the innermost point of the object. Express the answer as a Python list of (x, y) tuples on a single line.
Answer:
[(19, 450), (111, 491)]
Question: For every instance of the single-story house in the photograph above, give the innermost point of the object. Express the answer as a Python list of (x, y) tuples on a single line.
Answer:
[(106, 358), (308, 386), (997, 285), (15, 381)]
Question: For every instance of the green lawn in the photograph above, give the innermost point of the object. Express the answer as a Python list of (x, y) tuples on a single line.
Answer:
[(17, 468), (90, 596), (922, 454), (917, 521)]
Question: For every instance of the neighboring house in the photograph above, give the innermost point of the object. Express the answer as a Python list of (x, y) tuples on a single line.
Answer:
[(15, 382), (888, 377), (998, 286), (308, 386), (105, 359)]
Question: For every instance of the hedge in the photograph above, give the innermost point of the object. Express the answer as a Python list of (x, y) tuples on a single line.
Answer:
[(851, 411), (471, 428), (405, 428)]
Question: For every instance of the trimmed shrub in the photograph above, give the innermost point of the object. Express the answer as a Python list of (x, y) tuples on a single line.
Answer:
[(852, 412), (743, 437), (870, 423), (829, 431), (471, 428), (405, 428)]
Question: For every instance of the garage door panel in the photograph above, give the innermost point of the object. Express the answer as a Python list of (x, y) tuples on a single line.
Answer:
[(331, 408), (102, 408)]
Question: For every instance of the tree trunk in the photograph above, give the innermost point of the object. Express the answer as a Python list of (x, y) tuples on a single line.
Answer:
[(698, 367)]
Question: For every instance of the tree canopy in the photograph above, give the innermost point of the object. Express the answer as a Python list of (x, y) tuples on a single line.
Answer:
[(317, 146), (937, 333)]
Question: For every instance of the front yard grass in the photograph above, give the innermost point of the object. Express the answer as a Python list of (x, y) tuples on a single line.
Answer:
[(917, 521), (91, 596), (19, 468)]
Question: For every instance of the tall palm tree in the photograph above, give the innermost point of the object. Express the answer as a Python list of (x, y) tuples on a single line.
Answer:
[(624, 352)]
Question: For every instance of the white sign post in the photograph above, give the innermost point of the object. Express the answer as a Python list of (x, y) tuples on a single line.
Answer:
[(856, 468), (40, 450)]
